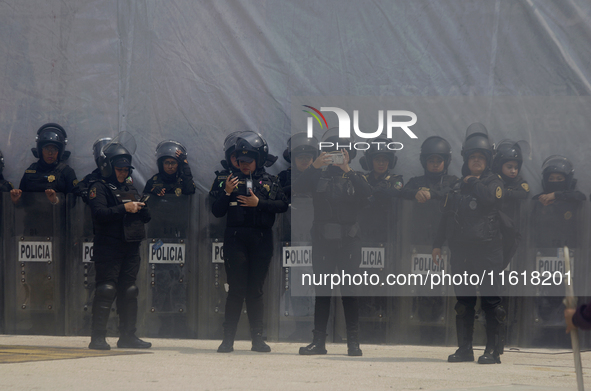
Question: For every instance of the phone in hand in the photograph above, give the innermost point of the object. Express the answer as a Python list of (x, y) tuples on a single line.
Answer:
[(144, 198)]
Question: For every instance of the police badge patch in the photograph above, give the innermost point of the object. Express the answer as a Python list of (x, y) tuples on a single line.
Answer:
[(499, 192), (568, 215), (92, 194), (525, 186), (178, 191), (75, 182), (50, 178), (267, 187)]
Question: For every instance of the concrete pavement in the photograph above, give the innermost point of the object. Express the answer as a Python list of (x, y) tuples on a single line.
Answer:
[(42, 363)]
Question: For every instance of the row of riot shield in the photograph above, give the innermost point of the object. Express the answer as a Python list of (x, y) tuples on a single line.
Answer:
[(48, 273)]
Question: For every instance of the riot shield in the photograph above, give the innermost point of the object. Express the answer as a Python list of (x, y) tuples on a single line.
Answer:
[(34, 237), (171, 260)]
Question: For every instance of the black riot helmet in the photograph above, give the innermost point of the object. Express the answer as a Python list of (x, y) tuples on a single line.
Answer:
[(332, 136), (98, 146), (508, 150), (117, 153), (168, 149), (230, 147), (557, 164), (300, 143), (378, 146), (51, 133), (435, 145), (252, 145), (477, 140)]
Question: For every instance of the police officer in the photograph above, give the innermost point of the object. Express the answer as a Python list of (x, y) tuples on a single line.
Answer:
[(119, 221), (435, 183), (250, 199), (507, 164), (49, 174), (378, 159), (5, 186), (81, 189), (301, 151), (470, 224), (174, 174), (338, 193)]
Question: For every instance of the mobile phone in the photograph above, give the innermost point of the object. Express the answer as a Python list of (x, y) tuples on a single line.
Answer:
[(248, 186), (336, 157), (144, 198)]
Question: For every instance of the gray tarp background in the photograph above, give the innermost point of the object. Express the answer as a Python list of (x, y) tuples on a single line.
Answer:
[(195, 71)]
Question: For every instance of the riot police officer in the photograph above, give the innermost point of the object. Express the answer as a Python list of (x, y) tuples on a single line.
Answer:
[(5, 186), (338, 193), (507, 164), (49, 174), (379, 160), (174, 174), (470, 224), (301, 151), (250, 199), (435, 183), (118, 220), (81, 189)]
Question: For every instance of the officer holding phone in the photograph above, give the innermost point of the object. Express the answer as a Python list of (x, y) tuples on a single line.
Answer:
[(118, 220), (250, 199)]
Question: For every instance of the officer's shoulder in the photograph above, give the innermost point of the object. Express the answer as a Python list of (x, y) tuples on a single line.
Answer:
[(32, 168)]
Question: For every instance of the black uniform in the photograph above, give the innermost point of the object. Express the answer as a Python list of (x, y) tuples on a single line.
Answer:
[(516, 190), (5, 186), (470, 224), (379, 208), (81, 189), (555, 225), (41, 176), (117, 237), (337, 197), (248, 242), (438, 185), (181, 182)]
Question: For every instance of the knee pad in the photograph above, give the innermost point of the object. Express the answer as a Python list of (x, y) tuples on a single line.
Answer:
[(106, 291), (131, 292), (500, 314)]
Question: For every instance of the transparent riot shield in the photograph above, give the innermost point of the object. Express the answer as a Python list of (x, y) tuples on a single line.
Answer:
[(171, 266), (34, 237), (426, 314), (551, 228), (379, 254), (296, 303)]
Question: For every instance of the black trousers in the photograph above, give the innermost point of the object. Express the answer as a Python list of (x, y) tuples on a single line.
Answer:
[(334, 256), (118, 262), (476, 258), (247, 256)]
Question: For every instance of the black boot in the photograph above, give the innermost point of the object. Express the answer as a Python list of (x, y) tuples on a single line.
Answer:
[(495, 336), (128, 320), (464, 329), (101, 308), (258, 344), (317, 346), (227, 344), (353, 343), (98, 342)]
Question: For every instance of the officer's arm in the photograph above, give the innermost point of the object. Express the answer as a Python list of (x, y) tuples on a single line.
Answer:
[(362, 187), (516, 194), (188, 186), (278, 205), (23, 184), (70, 179), (409, 191), (99, 208), (446, 186), (221, 201), (487, 194), (389, 189), (570, 195)]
